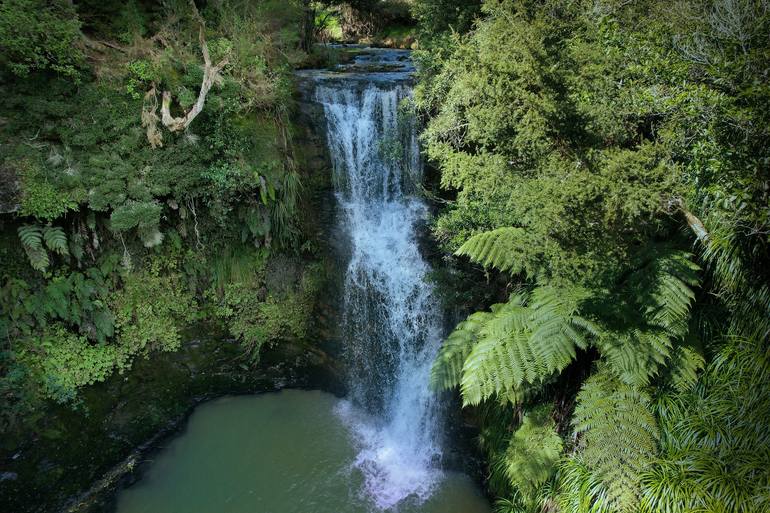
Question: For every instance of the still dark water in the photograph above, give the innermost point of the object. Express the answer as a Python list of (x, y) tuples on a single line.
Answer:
[(286, 452)]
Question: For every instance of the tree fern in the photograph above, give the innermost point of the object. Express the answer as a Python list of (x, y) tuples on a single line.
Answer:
[(532, 453), (617, 437), (636, 355), (502, 360), (497, 248), (663, 289), (683, 368), (31, 237), (556, 327), (446, 372), (55, 239), (657, 299), (505, 351)]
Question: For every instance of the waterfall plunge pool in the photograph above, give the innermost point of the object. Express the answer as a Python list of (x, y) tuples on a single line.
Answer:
[(284, 452)]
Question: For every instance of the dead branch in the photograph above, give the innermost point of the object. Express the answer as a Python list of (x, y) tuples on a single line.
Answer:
[(150, 118), (695, 224), (210, 77)]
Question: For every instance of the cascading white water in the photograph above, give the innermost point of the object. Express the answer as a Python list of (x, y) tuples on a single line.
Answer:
[(391, 320)]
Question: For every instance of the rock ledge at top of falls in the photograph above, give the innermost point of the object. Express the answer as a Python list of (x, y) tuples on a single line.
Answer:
[(365, 63)]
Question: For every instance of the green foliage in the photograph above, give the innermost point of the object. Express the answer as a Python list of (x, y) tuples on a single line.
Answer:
[(91, 188), (144, 216), (141, 73), (447, 369), (32, 238), (40, 198), (575, 140), (519, 343), (533, 452), (500, 248), (76, 299), (660, 293), (38, 35), (143, 326), (618, 438), (716, 446), (258, 313), (71, 362)]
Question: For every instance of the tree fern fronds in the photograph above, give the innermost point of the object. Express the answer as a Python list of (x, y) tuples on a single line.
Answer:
[(636, 355), (556, 327), (533, 452), (498, 248), (507, 360), (55, 239), (683, 368), (447, 368), (619, 436), (38, 258), (32, 241), (663, 288), (31, 236), (580, 490), (499, 365), (505, 351)]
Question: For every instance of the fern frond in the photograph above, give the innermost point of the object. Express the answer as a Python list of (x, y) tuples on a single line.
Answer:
[(498, 248), (38, 258), (31, 236), (661, 292), (447, 369), (683, 368), (502, 360), (557, 329), (619, 436), (32, 241), (516, 346), (663, 288), (533, 452), (55, 239), (636, 355)]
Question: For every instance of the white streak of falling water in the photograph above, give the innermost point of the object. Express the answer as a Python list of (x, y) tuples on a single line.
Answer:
[(390, 317)]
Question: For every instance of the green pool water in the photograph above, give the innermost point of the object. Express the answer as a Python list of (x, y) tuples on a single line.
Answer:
[(287, 452)]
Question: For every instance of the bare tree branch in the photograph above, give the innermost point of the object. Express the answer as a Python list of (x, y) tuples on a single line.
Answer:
[(210, 77), (695, 224)]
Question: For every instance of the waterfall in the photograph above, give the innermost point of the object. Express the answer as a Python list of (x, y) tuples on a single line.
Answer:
[(391, 321)]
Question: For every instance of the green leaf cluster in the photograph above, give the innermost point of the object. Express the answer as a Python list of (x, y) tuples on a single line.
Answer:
[(585, 148)]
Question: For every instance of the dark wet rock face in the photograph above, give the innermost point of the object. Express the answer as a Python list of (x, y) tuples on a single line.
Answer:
[(10, 190)]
